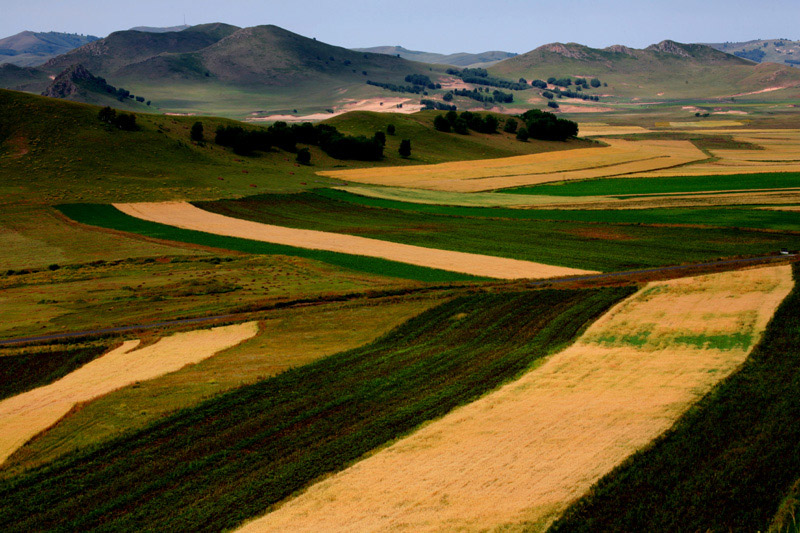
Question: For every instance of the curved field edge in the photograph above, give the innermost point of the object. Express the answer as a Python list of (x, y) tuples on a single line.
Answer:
[(107, 216), (213, 466), (724, 217), (728, 464), (503, 232)]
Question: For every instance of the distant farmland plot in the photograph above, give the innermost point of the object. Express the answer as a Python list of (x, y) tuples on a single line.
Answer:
[(518, 456), (620, 157)]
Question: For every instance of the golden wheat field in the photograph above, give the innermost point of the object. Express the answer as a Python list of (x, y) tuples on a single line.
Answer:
[(619, 157), (601, 129), (24, 415), (516, 458), (187, 216)]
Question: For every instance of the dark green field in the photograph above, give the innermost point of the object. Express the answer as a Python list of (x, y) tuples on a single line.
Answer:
[(605, 247), (728, 465), (26, 371), (107, 216), (627, 187), (211, 467)]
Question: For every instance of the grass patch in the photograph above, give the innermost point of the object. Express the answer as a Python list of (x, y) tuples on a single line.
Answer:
[(727, 465), (503, 232), (231, 458), (25, 371), (109, 217), (625, 187)]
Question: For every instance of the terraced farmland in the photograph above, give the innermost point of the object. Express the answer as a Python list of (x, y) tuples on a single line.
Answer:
[(301, 424)]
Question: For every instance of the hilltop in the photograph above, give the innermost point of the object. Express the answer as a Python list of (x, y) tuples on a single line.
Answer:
[(164, 29), (461, 59), (667, 70), (783, 51), (29, 49)]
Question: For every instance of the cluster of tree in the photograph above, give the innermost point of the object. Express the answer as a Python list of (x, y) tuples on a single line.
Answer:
[(421, 79), (461, 124), (101, 85), (480, 76), (281, 135), (753, 55), (792, 61), (552, 104), (415, 89), (575, 94), (580, 83), (539, 84), (559, 82), (433, 104), (547, 126), (483, 96), (123, 121)]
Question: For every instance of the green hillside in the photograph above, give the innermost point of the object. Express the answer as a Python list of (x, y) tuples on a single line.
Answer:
[(665, 71), (764, 50), (460, 59), (28, 48)]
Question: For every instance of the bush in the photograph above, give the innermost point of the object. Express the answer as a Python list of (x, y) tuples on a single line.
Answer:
[(552, 104), (510, 126), (390, 129), (303, 156), (196, 133), (380, 138), (53, 267), (441, 124), (522, 134), (546, 126), (405, 148), (460, 126)]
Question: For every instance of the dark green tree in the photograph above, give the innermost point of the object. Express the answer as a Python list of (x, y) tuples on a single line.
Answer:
[(380, 138), (522, 134), (595, 83), (441, 124), (390, 129), (451, 117), (510, 126), (107, 115), (196, 133), (304, 156), (460, 126), (405, 148)]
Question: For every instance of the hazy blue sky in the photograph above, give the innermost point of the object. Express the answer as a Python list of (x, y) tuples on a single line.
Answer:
[(437, 26)]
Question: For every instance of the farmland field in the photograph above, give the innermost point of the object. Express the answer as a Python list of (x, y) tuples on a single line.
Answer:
[(520, 455), (301, 424)]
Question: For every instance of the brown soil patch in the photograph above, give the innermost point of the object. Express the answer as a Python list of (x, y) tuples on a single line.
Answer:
[(25, 415), (187, 216), (602, 234), (517, 457)]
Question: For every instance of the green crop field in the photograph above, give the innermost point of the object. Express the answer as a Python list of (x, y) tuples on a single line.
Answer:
[(730, 464), (593, 246), (628, 187), (203, 468)]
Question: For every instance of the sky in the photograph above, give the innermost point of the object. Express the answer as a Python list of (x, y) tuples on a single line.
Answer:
[(434, 26)]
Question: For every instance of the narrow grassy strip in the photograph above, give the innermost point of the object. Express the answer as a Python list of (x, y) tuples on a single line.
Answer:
[(210, 467), (107, 216), (591, 246), (26, 371), (727, 465), (732, 217), (629, 186)]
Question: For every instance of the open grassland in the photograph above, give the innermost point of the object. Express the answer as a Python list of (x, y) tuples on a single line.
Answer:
[(619, 157), (518, 456), (231, 458), (119, 293), (36, 237), (109, 217), (287, 338), (601, 129), (730, 464), (55, 151), (24, 415), (26, 369), (601, 245), (187, 216)]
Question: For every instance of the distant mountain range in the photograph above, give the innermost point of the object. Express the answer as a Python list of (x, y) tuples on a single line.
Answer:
[(463, 59), (28, 49), (764, 50), (154, 29)]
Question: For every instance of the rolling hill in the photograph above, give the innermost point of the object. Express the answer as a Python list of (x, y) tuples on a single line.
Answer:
[(667, 70), (764, 50), (29, 49), (462, 59)]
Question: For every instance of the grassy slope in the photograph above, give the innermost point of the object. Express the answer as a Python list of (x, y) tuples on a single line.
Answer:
[(108, 217), (511, 234), (25, 371), (229, 459), (727, 464), (626, 187), (53, 151)]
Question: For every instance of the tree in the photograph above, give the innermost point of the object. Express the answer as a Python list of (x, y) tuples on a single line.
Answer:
[(441, 124), (460, 126), (522, 134), (595, 83), (552, 104), (107, 115), (390, 129), (196, 133), (380, 138), (405, 148), (510, 126), (451, 117), (304, 156), (448, 97)]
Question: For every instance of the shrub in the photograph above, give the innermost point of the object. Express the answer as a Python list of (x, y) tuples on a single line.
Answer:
[(196, 133), (405, 148), (522, 134), (390, 129), (303, 156), (510, 126), (441, 124)]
